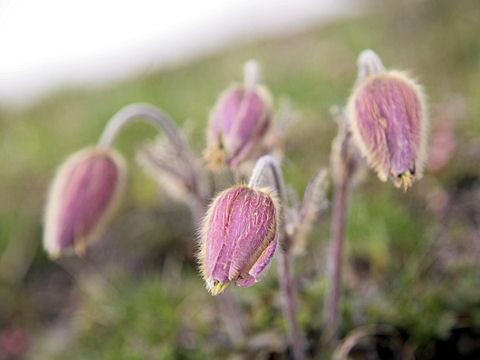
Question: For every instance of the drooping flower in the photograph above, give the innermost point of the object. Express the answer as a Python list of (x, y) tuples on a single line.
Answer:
[(238, 238), (238, 123), (387, 116), (82, 198)]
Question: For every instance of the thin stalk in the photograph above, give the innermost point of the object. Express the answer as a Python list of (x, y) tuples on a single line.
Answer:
[(336, 251), (233, 319), (289, 309), (147, 113), (344, 162), (369, 63), (252, 74), (159, 119), (286, 282)]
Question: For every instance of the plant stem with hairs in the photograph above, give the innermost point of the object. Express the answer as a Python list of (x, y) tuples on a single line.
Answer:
[(148, 113), (335, 256), (344, 163), (190, 177), (158, 118), (286, 282)]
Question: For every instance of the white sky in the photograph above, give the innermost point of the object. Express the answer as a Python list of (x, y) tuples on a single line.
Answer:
[(44, 43)]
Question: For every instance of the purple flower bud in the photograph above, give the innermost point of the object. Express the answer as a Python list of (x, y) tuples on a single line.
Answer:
[(388, 119), (238, 123), (81, 200), (238, 238)]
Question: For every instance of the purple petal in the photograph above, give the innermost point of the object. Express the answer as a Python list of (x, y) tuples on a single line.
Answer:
[(217, 261), (262, 262), (224, 113), (240, 236), (251, 125), (264, 259), (389, 113), (371, 128), (252, 228), (86, 193)]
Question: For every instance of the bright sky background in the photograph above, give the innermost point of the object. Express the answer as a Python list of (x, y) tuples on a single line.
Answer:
[(45, 43)]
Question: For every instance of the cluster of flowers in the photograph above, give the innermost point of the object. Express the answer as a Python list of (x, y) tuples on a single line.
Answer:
[(385, 123)]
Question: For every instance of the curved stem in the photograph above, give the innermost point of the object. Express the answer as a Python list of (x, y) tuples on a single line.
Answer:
[(148, 113), (252, 73), (286, 282), (257, 180), (369, 63), (159, 119)]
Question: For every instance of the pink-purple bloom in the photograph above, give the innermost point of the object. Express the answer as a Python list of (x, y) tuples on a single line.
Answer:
[(239, 237), (238, 123), (388, 119), (82, 198)]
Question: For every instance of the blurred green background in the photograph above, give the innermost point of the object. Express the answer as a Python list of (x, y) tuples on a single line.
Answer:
[(412, 260)]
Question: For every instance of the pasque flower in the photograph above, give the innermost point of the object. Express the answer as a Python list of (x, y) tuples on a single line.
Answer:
[(387, 116), (238, 122), (81, 200), (238, 238)]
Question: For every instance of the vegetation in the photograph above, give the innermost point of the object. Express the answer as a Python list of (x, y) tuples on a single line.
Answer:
[(412, 259)]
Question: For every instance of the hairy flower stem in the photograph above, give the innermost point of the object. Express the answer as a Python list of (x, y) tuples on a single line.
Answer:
[(344, 163), (233, 319), (288, 289), (336, 252), (159, 119), (252, 74), (148, 113), (286, 283)]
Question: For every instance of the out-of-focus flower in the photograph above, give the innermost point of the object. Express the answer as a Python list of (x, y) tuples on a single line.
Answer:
[(82, 198), (238, 123), (14, 342), (387, 115), (238, 238), (442, 145)]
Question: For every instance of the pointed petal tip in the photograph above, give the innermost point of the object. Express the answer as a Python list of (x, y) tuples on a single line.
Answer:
[(53, 254), (404, 181), (369, 63), (218, 288)]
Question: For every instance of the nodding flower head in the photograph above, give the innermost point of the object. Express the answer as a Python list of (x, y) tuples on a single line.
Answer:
[(387, 115), (238, 238), (81, 200), (238, 123)]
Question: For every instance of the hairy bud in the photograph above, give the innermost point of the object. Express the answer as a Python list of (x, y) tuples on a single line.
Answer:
[(238, 123), (388, 120), (81, 200), (239, 237)]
